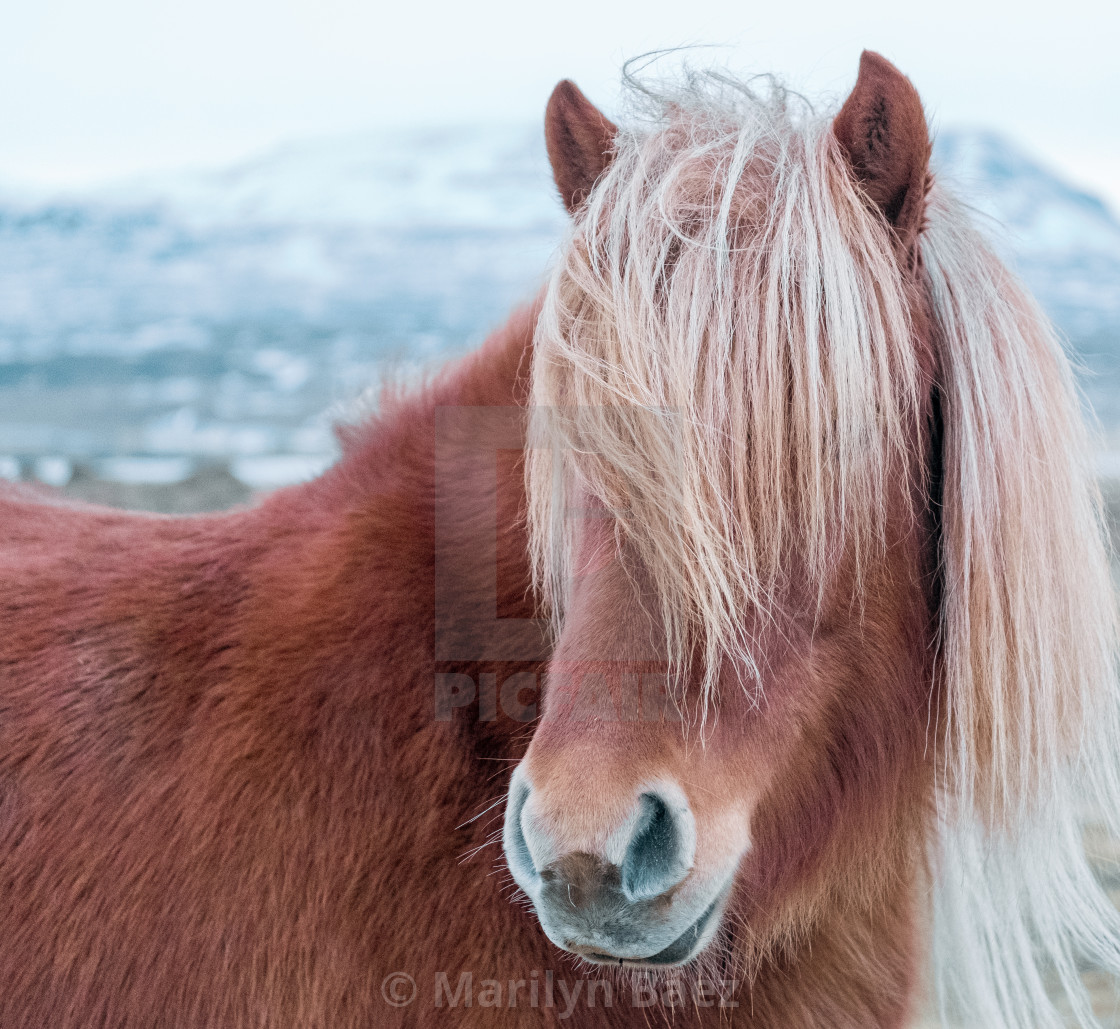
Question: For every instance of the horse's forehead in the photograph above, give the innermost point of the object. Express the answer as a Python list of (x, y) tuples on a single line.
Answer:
[(686, 199)]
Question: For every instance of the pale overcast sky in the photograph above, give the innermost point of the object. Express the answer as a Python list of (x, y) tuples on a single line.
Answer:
[(95, 89)]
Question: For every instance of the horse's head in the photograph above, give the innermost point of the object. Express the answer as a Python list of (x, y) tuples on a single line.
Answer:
[(808, 505), (729, 450)]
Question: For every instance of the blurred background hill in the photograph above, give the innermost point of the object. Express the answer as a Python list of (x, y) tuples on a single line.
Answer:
[(205, 327)]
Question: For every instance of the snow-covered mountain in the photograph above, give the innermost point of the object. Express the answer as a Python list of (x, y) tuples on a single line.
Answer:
[(482, 177), (221, 313), (1064, 241)]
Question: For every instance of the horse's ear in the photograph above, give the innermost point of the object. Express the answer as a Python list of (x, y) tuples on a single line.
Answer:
[(882, 131), (580, 142)]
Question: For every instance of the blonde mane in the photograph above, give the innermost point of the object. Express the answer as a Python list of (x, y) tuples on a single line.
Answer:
[(725, 357)]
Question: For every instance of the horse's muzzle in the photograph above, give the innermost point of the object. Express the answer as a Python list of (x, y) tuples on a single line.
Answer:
[(613, 893)]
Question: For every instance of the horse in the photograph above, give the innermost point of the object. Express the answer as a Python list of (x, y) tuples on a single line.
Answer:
[(751, 580)]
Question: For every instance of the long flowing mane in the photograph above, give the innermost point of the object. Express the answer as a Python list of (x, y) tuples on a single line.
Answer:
[(726, 355), (1028, 637)]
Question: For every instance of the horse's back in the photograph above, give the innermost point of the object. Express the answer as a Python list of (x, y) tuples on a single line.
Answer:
[(71, 571)]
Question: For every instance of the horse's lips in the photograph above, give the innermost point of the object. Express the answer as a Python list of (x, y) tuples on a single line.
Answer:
[(679, 951)]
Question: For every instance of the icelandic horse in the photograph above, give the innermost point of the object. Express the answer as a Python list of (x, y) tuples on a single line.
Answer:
[(775, 503)]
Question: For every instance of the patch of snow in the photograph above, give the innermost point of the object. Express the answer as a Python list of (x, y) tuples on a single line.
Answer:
[(54, 471), (145, 470), (261, 473)]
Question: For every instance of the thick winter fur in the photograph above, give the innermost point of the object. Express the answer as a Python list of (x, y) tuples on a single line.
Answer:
[(847, 464)]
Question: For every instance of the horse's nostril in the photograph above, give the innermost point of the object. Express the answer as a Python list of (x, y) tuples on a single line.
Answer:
[(516, 847), (660, 851)]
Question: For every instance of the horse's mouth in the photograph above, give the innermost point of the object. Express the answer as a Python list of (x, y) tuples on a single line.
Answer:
[(679, 952)]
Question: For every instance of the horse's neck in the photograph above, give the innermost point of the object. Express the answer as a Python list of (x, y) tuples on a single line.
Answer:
[(432, 489), (478, 441)]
